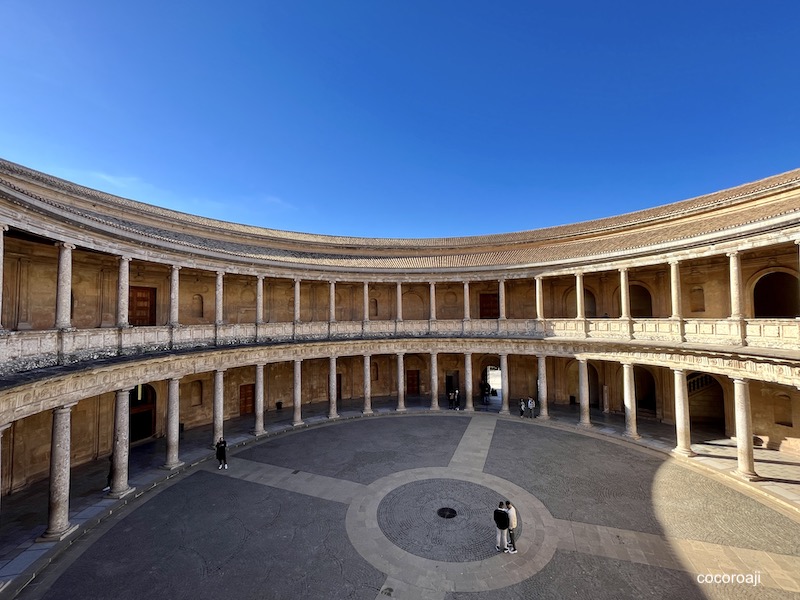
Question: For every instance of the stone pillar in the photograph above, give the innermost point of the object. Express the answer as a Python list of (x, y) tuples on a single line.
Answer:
[(539, 298), (434, 381), (366, 301), (296, 300), (682, 422), (332, 301), (219, 404), (401, 384), (332, 411), (433, 301), (259, 299), (467, 315), (297, 392), (64, 287), (7, 425), (583, 392), (367, 385), (504, 383), (501, 292), (735, 268), (173, 424), (399, 301), (123, 290), (744, 431), (258, 428), (541, 381), (469, 406), (624, 297), (58, 525), (579, 299), (3, 229), (219, 299), (121, 448), (174, 296), (675, 296), (629, 398)]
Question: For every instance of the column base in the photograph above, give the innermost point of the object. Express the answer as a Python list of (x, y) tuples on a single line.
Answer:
[(469, 409), (333, 417), (57, 536), (586, 424), (544, 417), (632, 436), (401, 410), (505, 412), (122, 494), (298, 423), (173, 466), (684, 452), (258, 433), (367, 413), (750, 476)]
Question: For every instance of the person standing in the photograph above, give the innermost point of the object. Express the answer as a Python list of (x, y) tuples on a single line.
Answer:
[(501, 521), (111, 472), (222, 453), (512, 525), (522, 407), (531, 407), (458, 400)]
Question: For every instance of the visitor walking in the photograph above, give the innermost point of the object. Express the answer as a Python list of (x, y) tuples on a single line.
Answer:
[(531, 407), (512, 525), (222, 453), (501, 521), (522, 407)]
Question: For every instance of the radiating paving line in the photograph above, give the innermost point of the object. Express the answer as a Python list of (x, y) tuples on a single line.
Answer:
[(779, 571), (302, 482), (474, 446)]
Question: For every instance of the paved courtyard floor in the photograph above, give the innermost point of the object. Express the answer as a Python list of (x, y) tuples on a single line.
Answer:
[(350, 509)]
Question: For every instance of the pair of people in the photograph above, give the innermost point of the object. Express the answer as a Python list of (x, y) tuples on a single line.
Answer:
[(505, 518), (527, 407)]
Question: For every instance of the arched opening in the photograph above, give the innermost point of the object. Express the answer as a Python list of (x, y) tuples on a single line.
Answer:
[(776, 296), (645, 385), (641, 302), (142, 412), (573, 385), (706, 404), (571, 304)]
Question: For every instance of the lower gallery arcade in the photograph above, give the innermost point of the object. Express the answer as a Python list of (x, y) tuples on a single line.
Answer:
[(118, 332)]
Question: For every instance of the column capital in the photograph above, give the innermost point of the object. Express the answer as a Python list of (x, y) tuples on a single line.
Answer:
[(623, 269), (174, 378), (732, 254), (123, 258), (679, 371), (4, 228), (176, 267), (261, 277), (220, 370), (66, 245), (220, 273), (740, 380), (673, 261), (67, 406)]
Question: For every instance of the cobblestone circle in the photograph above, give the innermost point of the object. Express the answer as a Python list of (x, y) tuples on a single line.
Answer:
[(408, 517)]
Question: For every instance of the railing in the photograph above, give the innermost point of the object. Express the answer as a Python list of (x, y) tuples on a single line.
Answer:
[(27, 350)]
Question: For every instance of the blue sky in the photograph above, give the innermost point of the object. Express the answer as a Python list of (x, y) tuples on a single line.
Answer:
[(402, 118)]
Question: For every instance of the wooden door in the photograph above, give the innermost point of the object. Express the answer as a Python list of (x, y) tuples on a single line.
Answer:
[(490, 306), (142, 306), (247, 399), (412, 382)]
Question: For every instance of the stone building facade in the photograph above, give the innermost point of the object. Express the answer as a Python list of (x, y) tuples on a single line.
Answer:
[(122, 321)]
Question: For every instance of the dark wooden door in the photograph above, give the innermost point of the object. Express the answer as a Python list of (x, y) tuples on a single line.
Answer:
[(490, 306), (247, 399), (412, 382), (142, 306)]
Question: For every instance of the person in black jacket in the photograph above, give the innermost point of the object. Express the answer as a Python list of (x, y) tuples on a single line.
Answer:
[(222, 453), (501, 520)]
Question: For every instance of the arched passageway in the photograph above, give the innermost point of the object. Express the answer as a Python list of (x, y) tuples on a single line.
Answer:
[(645, 392), (641, 301), (706, 404), (776, 295), (143, 412)]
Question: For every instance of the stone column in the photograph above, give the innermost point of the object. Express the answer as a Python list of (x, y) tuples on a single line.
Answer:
[(682, 422), (675, 296), (258, 429), (58, 525), (579, 299), (174, 296), (744, 431), (504, 383), (399, 301), (173, 424), (332, 411), (401, 384), (219, 404), (433, 301), (469, 406), (735, 268), (259, 299), (501, 292), (296, 300), (219, 299), (624, 297), (583, 392), (367, 386), (467, 315), (64, 287), (434, 381), (122, 416), (3, 229), (123, 290), (629, 398), (366, 301), (297, 418), (539, 298), (7, 425), (541, 381), (332, 301)]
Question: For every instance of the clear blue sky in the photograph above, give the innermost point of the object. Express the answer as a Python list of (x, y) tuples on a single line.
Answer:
[(402, 118)]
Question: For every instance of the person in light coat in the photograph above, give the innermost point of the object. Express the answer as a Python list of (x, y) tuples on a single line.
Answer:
[(512, 526)]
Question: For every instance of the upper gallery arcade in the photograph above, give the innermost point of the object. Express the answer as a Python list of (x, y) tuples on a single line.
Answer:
[(122, 321)]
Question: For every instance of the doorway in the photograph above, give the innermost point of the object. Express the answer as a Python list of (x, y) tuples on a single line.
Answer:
[(142, 306), (412, 382), (142, 400), (247, 399)]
